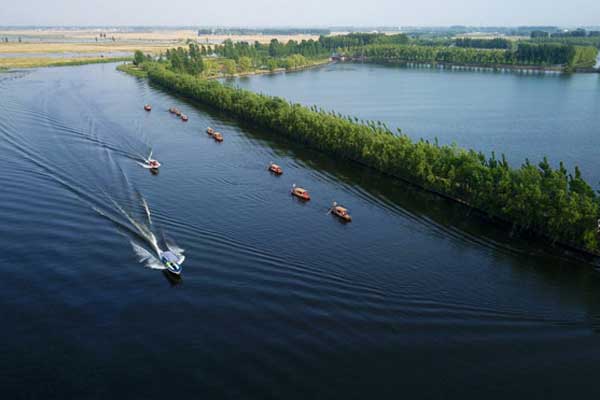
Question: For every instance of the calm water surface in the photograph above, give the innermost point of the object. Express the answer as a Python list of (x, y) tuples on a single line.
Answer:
[(278, 299)]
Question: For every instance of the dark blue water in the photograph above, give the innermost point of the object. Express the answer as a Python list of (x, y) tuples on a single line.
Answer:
[(416, 297), (523, 115)]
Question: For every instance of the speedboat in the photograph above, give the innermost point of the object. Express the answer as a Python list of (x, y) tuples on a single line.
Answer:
[(218, 137), (148, 107), (276, 169), (172, 261), (340, 212), (300, 193)]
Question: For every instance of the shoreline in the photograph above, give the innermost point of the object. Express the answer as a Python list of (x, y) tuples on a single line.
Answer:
[(491, 68), (274, 72)]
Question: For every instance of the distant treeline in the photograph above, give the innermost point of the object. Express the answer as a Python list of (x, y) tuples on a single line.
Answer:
[(570, 40), (539, 198), (258, 51), (577, 33), (265, 31), (496, 43), (325, 45), (578, 37), (551, 54), (332, 43), (433, 32)]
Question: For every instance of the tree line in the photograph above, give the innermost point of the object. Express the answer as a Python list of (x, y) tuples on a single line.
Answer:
[(539, 198), (564, 34), (495, 43), (543, 54), (333, 43)]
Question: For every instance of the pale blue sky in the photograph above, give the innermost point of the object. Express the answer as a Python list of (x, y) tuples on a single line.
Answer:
[(300, 12)]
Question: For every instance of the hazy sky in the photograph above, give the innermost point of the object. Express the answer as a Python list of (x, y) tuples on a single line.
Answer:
[(300, 12)]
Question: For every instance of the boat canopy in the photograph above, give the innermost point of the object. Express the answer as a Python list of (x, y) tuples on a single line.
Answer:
[(171, 257)]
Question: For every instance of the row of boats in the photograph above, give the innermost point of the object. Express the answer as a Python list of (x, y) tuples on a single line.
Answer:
[(177, 112), (301, 193), (336, 209), (214, 134)]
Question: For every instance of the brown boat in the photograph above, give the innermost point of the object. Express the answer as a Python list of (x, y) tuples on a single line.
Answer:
[(276, 169), (218, 137), (148, 107), (300, 193), (340, 212), (210, 131)]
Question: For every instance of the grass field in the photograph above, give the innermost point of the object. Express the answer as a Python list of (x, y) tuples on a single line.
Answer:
[(33, 48), (35, 62)]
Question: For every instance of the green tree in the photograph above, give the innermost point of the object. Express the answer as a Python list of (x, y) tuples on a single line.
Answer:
[(138, 57), (272, 64), (229, 67), (245, 64)]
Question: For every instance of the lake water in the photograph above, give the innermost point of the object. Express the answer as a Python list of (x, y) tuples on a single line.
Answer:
[(524, 115), (416, 297)]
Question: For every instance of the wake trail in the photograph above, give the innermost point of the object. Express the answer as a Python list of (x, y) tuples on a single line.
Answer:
[(96, 191)]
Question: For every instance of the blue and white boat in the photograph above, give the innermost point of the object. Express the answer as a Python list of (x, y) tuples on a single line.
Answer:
[(172, 261)]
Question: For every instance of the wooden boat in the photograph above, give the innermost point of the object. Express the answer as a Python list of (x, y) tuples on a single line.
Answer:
[(148, 107), (300, 193), (218, 137), (210, 131), (184, 118), (340, 212), (276, 169)]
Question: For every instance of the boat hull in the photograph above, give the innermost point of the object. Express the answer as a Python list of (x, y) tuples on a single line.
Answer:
[(303, 197)]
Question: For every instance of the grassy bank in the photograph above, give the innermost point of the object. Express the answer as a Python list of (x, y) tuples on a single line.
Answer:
[(259, 71), (26, 62), (134, 70), (537, 198)]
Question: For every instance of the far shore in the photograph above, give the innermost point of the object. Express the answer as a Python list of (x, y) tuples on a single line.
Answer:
[(498, 67)]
